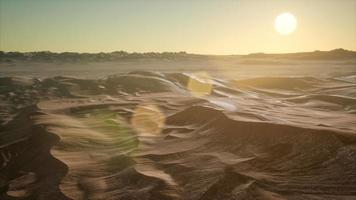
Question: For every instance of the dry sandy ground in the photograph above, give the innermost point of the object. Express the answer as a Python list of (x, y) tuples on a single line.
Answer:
[(194, 136)]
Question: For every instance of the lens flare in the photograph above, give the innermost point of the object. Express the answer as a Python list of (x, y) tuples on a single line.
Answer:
[(200, 84), (148, 120)]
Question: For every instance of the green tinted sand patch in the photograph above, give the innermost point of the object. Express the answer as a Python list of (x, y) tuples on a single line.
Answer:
[(98, 137), (94, 144), (122, 140), (111, 126)]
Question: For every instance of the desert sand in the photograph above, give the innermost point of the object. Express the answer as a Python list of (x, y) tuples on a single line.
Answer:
[(268, 133)]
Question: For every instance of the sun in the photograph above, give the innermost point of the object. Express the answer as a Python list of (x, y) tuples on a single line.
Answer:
[(285, 23)]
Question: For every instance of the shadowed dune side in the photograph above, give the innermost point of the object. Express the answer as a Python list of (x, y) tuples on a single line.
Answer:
[(28, 170), (347, 103), (136, 82), (97, 144), (274, 158), (259, 138), (289, 83)]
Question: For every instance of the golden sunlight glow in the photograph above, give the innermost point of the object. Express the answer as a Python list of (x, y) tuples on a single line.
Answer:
[(285, 23), (200, 84), (148, 120)]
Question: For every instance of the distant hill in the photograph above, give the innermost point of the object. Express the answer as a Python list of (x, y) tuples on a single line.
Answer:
[(336, 54), (46, 56)]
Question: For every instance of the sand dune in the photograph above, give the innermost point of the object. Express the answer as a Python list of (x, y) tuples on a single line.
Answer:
[(145, 135)]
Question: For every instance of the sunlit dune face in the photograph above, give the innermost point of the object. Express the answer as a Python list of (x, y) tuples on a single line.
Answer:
[(199, 84), (148, 120), (285, 23)]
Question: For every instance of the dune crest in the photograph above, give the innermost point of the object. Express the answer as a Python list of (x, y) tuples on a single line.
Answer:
[(259, 138)]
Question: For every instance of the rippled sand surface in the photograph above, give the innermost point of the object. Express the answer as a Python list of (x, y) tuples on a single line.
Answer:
[(195, 136)]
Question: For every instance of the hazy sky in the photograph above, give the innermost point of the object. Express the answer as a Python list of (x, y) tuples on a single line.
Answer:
[(195, 26)]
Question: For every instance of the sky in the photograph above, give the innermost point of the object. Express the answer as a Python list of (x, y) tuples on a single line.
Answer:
[(199, 26)]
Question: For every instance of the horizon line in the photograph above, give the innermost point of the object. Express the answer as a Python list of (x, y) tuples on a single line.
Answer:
[(161, 52)]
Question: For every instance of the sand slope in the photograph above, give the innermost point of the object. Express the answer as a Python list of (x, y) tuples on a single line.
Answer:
[(145, 135)]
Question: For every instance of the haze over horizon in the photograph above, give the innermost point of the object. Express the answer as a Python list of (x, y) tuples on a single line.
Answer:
[(200, 27), (178, 99), (133, 52)]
